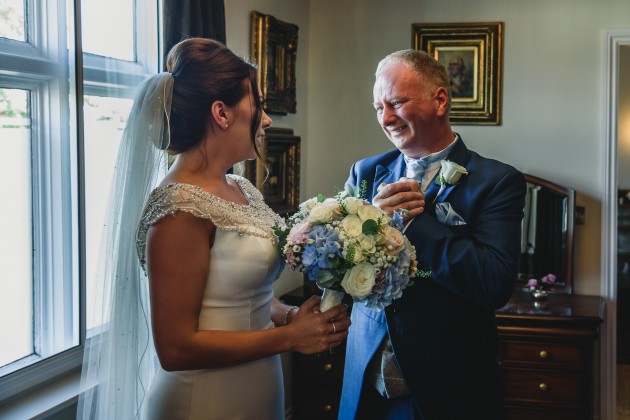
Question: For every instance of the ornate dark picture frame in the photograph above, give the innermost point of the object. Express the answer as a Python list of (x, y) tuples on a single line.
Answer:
[(281, 188), (473, 55), (273, 48)]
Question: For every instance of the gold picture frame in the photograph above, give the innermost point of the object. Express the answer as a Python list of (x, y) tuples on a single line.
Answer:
[(273, 48), (473, 56), (281, 186)]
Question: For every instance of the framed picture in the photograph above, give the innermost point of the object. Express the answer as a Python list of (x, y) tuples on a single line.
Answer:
[(273, 48), (281, 185), (473, 56)]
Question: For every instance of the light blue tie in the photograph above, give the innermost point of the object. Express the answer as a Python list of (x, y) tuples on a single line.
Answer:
[(417, 167)]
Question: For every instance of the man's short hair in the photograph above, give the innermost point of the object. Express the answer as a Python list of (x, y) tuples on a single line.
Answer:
[(431, 70)]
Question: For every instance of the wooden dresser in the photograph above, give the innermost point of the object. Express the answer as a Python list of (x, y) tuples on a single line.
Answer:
[(316, 379), (317, 385), (546, 352)]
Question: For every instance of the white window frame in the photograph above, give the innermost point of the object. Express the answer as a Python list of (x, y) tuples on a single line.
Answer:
[(41, 66)]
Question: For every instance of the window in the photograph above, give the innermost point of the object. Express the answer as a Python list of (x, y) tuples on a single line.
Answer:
[(59, 158), (104, 120), (12, 22), (40, 293), (16, 291), (100, 36), (116, 60)]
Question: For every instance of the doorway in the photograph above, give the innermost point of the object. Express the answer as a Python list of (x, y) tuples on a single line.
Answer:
[(615, 377), (623, 236)]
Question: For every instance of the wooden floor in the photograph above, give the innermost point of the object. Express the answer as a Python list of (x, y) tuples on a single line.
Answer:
[(623, 392)]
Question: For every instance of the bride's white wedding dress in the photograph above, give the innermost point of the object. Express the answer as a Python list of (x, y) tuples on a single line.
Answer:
[(243, 265)]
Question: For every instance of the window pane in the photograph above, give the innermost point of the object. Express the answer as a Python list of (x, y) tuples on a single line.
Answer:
[(108, 28), (12, 14), (105, 120), (16, 260)]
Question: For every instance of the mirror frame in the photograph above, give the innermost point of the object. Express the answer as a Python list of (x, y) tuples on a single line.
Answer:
[(567, 287)]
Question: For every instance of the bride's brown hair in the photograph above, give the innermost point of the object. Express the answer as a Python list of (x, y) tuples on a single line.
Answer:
[(206, 71)]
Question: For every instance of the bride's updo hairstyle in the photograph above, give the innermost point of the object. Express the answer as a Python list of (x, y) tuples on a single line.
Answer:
[(206, 71)]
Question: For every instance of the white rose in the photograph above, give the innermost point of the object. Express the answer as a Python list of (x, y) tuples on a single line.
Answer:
[(359, 280), (371, 212), (367, 244), (308, 204), (321, 213), (352, 226), (352, 204), (451, 172)]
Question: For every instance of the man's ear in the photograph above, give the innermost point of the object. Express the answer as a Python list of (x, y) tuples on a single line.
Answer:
[(441, 96), (220, 114)]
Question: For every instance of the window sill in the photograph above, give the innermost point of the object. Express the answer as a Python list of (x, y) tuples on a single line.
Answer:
[(43, 388), (44, 401)]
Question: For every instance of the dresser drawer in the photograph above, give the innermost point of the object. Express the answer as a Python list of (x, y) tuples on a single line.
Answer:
[(330, 366), (523, 413), (545, 353), (545, 386), (316, 399), (317, 403)]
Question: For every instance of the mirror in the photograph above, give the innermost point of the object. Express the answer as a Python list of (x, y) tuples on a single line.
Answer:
[(547, 234)]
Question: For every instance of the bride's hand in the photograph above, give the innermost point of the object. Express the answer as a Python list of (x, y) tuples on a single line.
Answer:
[(313, 331)]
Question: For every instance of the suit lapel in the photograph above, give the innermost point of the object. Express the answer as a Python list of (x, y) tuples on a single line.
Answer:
[(458, 155), (431, 192), (389, 173)]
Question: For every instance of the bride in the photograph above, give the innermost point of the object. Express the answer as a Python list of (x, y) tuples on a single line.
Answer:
[(194, 331)]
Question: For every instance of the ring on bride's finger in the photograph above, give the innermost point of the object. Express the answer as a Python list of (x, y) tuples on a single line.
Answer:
[(334, 327)]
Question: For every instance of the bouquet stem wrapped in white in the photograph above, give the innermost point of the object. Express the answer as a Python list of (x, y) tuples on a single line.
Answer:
[(330, 298), (344, 243)]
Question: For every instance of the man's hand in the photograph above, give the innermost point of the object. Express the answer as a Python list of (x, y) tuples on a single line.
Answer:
[(403, 194)]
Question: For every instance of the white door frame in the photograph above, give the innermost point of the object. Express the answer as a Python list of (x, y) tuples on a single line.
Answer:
[(613, 39)]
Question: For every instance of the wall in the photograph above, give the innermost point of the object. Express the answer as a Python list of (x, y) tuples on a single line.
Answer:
[(237, 21), (553, 91), (623, 157)]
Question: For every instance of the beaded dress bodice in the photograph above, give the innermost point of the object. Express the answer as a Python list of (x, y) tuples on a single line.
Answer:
[(256, 218)]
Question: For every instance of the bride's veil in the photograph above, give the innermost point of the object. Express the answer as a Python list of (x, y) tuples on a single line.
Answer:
[(119, 360)]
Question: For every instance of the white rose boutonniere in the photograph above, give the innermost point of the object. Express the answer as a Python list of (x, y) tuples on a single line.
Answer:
[(449, 175)]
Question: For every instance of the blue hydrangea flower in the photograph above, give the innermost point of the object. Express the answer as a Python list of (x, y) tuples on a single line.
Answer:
[(396, 278), (325, 247), (397, 221)]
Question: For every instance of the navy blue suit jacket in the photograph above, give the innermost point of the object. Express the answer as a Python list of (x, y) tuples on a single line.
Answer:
[(443, 329)]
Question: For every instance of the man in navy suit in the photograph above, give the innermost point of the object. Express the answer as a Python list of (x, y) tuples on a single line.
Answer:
[(432, 354)]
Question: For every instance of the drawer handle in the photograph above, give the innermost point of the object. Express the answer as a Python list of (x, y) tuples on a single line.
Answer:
[(543, 387), (327, 408), (543, 354), (328, 367)]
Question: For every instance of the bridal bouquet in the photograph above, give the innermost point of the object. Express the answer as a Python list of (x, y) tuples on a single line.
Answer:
[(344, 243)]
